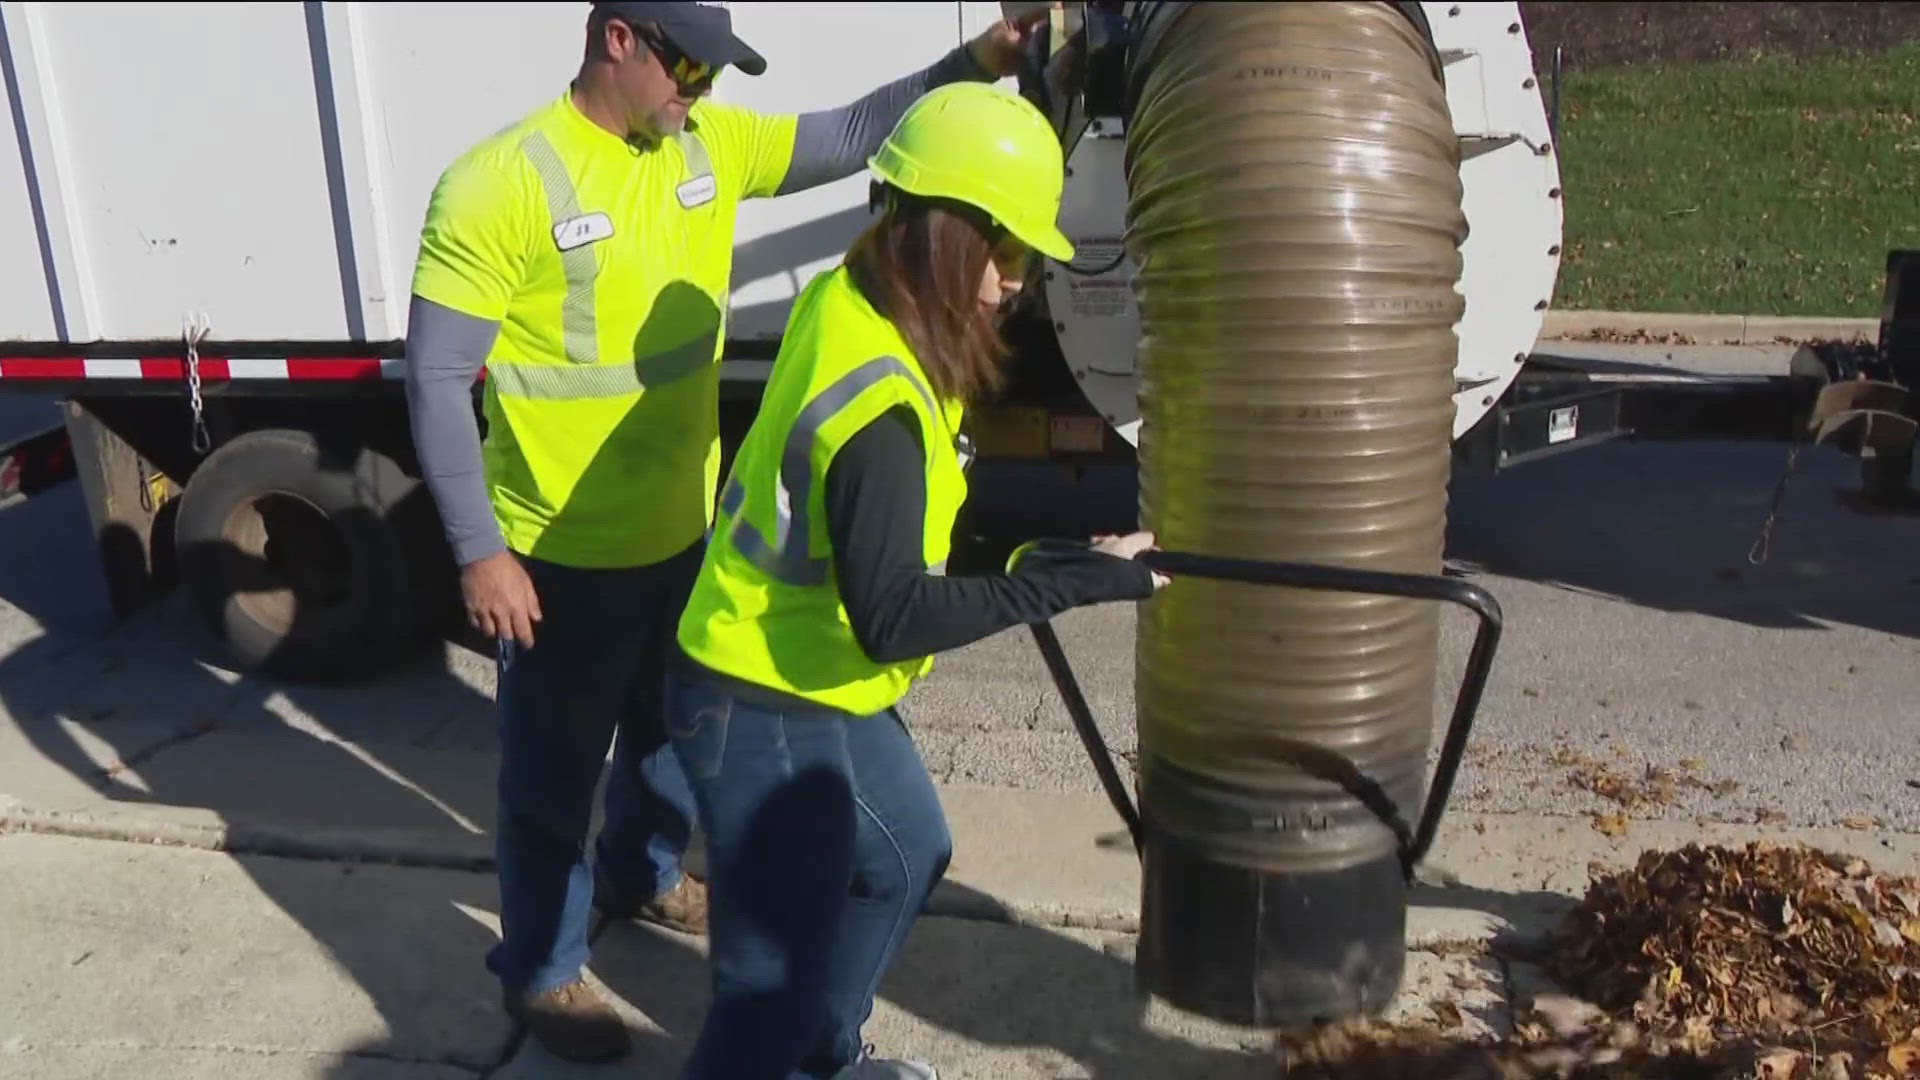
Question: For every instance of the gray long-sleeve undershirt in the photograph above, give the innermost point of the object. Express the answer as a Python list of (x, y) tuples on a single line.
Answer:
[(836, 143), (446, 349)]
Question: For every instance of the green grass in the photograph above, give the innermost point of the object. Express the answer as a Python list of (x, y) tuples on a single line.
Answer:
[(1764, 187)]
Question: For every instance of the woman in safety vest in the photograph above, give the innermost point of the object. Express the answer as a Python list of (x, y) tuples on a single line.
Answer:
[(822, 597)]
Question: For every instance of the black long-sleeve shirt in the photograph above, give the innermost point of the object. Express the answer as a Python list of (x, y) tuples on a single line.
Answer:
[(876, 499)]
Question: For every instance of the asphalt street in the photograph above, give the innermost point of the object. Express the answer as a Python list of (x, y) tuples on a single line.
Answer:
[(1639, 637)]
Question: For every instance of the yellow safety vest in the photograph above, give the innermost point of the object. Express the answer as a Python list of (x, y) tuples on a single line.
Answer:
[(607, 267), (766, 608)]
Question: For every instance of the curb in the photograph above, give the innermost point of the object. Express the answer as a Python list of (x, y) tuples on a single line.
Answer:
[(425, 850), (421, 849), (1708, 329), (1053, 860)]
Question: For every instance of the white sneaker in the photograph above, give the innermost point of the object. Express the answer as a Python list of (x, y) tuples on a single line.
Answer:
[(869, 1067)]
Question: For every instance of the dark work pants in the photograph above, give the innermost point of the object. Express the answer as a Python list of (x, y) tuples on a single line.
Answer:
[(593, 679)]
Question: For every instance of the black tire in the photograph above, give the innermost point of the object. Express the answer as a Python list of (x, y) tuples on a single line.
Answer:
[(308, 570)]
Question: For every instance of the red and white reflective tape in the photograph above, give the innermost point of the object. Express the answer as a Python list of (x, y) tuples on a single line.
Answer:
[(212, 368), (227, 369)]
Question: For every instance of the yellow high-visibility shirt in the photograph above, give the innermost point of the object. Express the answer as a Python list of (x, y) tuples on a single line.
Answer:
[(607, 266)]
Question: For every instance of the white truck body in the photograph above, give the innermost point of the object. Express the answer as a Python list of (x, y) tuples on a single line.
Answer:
[(262, 168), (269, 163)]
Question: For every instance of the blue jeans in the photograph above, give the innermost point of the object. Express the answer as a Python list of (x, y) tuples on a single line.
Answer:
[(596, 670), (825, 836)]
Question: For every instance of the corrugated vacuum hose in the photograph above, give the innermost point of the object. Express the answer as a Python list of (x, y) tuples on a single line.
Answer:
[(1295, 576), (1295, 212)]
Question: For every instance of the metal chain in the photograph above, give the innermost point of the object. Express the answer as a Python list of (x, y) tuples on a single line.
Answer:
[(194, 331), (1763, 544)]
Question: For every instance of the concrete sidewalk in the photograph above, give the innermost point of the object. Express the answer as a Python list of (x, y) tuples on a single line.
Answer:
[(1049, 859), (151, 960), (1708, 328), (1658, 360), (173, 958), (129, 960)]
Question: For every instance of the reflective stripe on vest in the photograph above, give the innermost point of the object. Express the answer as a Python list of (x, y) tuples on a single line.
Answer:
[(584, 377), (787, 557), (554, 382), (577, 319), (698, 165)]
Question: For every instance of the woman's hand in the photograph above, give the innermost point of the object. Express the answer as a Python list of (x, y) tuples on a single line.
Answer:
[(1129, 546), (1124, 547)]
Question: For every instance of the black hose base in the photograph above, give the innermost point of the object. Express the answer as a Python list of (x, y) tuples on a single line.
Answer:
[(1270, 950), (1240, 942)]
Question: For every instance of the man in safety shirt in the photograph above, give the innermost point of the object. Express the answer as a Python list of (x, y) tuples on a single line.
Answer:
[(582, 257)]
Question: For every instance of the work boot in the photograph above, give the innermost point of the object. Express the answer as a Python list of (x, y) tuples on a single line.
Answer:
[(573, 1022), (869, 1067), (682, 908)]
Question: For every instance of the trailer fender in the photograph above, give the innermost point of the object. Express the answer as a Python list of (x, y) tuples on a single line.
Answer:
[(309, 563)]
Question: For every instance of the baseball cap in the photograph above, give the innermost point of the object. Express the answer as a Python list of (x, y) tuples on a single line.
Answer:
[(700, 28)]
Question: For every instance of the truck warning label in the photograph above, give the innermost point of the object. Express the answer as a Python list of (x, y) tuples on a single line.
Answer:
[(1099, 285)]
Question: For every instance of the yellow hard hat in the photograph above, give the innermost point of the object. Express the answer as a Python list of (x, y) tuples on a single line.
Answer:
[(987, 147)]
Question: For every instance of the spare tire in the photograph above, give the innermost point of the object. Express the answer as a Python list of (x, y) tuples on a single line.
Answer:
[(306, 569)]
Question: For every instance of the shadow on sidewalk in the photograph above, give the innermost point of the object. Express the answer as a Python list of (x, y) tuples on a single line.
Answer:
[(1065, 996), (142, 717), (1061, 1001)]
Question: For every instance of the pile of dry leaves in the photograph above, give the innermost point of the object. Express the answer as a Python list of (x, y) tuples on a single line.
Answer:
[(1707, 944), (1551, 1045), (1764, 963), (1550, 1049)]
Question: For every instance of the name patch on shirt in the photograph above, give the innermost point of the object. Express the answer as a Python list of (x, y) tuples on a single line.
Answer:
[(583, 230), (698, 191)]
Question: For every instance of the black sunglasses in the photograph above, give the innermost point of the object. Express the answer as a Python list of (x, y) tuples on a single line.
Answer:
[(689, 73)]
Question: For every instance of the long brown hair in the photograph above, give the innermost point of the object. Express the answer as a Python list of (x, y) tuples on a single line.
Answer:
[(920, 267)]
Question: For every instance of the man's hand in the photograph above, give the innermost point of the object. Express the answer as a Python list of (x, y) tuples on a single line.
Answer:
[(500, 598), (1001, 49)]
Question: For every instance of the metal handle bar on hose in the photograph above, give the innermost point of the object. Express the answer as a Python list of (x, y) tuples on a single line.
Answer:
[(1306, 576)]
